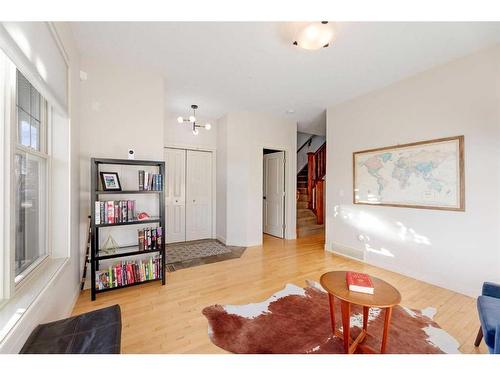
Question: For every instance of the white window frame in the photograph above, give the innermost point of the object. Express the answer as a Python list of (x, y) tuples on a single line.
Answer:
[(16, 282)]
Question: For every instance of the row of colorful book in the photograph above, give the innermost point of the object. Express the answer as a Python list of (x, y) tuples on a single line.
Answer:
[(111, 212), (129, 272), (150, 181), (150, 238)]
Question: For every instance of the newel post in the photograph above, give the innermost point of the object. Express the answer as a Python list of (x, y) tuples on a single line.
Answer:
[(320, 202), (311, 176)]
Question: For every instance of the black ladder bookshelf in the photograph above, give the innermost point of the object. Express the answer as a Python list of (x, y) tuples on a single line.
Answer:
[(125, 251)]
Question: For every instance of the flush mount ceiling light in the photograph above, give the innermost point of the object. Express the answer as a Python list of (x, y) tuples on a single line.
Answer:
[(192, 121), (315, 35)]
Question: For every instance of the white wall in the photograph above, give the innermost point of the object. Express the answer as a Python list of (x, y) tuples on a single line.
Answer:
[(221, 180), (243, 136), (58, 296), (121, 108), (456, 250), (302, 138)]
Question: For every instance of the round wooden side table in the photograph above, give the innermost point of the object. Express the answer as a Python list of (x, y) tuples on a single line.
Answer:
[(385, 296)]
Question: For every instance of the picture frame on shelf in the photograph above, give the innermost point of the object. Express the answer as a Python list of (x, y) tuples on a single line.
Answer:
[(110, 181)]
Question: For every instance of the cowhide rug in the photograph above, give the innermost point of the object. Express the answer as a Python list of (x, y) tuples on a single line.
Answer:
[(296, 320)]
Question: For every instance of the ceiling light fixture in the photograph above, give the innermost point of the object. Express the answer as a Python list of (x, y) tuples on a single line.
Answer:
[(315, 36), (192, 121)]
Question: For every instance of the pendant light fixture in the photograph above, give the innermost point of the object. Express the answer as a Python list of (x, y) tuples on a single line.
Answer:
[(192, 121), (315, 35)]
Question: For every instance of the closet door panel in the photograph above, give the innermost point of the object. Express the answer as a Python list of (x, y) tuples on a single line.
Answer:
[(175, 195), (198, 195)]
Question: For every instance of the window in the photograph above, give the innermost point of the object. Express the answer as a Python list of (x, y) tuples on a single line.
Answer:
[(30, 178)]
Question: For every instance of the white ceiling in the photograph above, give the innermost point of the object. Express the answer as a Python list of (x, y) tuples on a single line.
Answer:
[(228, 66)]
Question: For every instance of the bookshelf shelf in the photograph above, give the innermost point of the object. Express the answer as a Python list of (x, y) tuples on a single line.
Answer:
[(121, 253), (126, 286), (124, 251), (135, 222), (128, 192)]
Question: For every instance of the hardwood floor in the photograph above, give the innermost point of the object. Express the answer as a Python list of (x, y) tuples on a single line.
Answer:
[(168, 319)]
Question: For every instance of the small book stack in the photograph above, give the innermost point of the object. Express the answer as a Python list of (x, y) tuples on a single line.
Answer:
[(128, 272), (359, 282), (113, 212), (150, 181), (150, 238)]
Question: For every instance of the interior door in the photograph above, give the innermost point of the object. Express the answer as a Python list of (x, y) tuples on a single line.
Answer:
[(274, 194), (198, 195), (175, 195)]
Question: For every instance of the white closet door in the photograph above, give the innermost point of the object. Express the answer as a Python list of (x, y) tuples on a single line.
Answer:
[(274, 193), (175, 195), (198, 195)]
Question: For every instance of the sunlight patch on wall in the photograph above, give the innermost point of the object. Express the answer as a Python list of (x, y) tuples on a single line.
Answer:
[(368, 223), (382, 251)]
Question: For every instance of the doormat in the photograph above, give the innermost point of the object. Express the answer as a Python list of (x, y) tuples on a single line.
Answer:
[(195, 253)]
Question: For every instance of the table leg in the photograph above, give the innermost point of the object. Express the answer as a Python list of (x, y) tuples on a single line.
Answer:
[(387, 321), (346, 318), (366, 310), (332, 312)]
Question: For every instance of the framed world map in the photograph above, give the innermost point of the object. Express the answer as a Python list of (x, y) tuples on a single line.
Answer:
[(427, 174)]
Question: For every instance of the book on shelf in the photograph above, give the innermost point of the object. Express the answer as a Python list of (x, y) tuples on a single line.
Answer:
[(113, 212), (359, 282), (129, 272), (150, 181), (150, 238)]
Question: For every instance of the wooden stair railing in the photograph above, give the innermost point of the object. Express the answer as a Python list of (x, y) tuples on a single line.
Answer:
[(316, 170)]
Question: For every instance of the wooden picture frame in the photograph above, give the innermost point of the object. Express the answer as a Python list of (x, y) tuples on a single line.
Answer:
[(459, 189), (110, 181)]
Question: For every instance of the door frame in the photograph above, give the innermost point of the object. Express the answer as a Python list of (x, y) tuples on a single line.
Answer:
[(214, 175), (283, 213), (290, 213)]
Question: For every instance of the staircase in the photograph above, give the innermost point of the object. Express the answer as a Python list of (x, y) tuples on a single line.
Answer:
[(306, 219), (309, 217)]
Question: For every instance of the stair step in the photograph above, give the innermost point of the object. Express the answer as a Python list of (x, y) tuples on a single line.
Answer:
[(301, 204), (304, 232), (301, 184), (302, 190), (303, 198), (303, 222), (305, 212)]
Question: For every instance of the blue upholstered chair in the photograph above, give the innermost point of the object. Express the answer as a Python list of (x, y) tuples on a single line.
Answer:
[(488, 307)]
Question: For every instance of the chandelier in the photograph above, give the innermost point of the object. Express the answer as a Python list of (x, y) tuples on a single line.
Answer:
[(192, 121)]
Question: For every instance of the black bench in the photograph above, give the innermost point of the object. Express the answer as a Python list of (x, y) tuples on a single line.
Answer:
[(97, 332)]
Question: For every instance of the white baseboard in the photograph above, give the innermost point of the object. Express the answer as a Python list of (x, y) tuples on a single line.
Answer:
[(345, 251), (221, 239)]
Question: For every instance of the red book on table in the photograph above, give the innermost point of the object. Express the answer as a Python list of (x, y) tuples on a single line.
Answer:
[(359, 282)]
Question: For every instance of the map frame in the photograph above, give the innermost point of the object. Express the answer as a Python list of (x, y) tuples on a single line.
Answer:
[(460, 181)]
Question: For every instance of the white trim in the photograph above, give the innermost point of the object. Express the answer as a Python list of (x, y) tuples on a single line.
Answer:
[(214, 178), (20, 60), (15, 310), (27, 274), (290, 188), (59, 43), (221, 239), (5, 157), (9, 268), (181, 146), (285, 193), (330, 246), (44, 154)]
